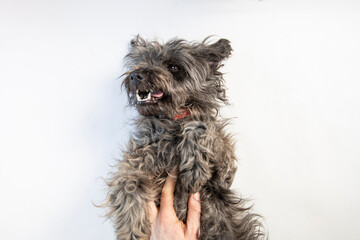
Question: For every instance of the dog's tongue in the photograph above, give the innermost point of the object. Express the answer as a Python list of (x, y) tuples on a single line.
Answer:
[(157, 94)]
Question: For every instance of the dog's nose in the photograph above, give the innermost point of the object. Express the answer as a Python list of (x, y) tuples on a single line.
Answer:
[(136, 77)]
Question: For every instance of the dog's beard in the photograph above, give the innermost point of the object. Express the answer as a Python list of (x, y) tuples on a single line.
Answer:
[(159, 104)]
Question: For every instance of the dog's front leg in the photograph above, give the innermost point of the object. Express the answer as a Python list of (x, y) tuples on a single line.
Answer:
[(130, 191), (196, 153)]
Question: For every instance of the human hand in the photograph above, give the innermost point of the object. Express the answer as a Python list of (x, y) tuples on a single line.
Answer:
[(164, 223)]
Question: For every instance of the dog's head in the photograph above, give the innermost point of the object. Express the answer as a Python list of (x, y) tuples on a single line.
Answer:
[(165, 79)]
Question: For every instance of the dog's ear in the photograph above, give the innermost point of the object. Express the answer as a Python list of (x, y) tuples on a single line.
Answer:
[(216, 52), (137, 41)]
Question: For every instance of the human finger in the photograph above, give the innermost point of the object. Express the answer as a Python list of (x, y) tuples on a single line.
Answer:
[(193, 218), (152, 212), (167, 194)]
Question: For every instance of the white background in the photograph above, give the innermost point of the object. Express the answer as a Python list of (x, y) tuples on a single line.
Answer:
[(294, 85)]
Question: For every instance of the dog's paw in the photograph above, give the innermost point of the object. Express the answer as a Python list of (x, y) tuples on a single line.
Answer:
[(194, 130)]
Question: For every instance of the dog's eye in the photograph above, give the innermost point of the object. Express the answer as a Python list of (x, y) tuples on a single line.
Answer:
[(173, 68)]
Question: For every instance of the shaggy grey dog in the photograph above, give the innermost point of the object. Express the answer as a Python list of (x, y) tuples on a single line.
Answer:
[(177, 88)]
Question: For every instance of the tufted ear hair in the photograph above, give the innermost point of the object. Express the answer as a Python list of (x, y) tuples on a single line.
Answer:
[(137, 41), (216, 52)]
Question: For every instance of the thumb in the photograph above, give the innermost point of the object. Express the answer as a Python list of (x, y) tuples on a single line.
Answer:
[(152, 212), (167, 193), (193, 218)]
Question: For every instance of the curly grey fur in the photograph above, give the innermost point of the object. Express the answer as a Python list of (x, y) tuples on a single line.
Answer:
[(197, 144)]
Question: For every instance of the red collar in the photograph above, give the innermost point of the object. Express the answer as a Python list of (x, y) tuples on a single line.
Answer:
[(185, 112)]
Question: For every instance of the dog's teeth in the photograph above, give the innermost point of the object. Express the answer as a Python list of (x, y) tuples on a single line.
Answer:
[(139, 99), (137, 95)]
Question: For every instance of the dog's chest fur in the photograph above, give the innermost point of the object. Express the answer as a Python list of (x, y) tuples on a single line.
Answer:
[(195, 147)]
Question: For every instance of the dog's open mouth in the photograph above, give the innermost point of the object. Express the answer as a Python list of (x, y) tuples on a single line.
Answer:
[(148, 96)]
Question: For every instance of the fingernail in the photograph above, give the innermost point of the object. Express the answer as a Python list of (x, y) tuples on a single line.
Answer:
[(196, 196)]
